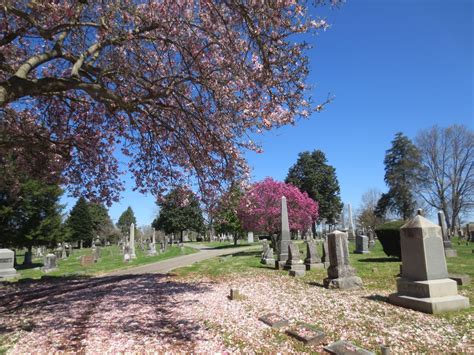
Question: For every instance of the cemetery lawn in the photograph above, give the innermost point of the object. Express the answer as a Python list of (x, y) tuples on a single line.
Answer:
[(111, 259)]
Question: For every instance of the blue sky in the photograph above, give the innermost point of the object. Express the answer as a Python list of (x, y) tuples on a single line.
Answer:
[(393, 66)]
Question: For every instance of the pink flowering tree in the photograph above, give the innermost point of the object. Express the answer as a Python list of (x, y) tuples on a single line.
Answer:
[(260, 208), (175, 86)]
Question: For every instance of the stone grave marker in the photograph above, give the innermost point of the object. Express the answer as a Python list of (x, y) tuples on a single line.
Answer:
[(340, 273), (274, 320), (371, 235), (96, 252), (133, 255), (461, 279), (424, 284), (235, 294), (284, 237), (362, 244), (449, 252), (325, 257), (7, 261), (250, 237), (87, 260), (306, 333), (343, 347), (294, 263), (49, 262), (351, 230), (267, 254), (312, 261)]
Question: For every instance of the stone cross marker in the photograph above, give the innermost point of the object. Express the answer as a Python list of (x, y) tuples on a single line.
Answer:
[(362, 244), (312, 261), (294, 264), (448, 248), (284, 238), (7, 260), (340, 273), (424, 284), (132, 242)]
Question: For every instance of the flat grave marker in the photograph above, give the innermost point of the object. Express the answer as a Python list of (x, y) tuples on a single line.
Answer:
[(87, 260), (343, 347), (274, 320), (306, 333)]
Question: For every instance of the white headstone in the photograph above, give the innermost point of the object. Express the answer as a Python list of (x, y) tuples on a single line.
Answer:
[(132, 242), (250, 237), (7, 260)]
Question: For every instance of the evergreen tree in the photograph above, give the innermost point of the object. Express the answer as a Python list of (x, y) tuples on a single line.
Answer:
[(102, 224), (312, 174), (80, 223), (125, 220), (179, 211), (31, 215), (401, 162)]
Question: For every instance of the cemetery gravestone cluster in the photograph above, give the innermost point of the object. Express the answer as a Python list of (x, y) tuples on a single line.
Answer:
[(7, 260), (424, 284), (340, 273), (49, 263)]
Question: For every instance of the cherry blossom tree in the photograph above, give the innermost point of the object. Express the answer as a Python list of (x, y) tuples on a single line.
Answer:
[(260, 208), (177, 86)]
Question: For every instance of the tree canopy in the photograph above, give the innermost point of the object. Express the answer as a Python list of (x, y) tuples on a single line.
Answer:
[(226, 219), (260, 207), (401, 163), (313, 175), (176, 86), (179, 211)]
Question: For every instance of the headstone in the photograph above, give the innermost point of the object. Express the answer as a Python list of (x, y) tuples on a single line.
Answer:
[(325, 257), (28, 258), (250, 237), (58, 251), (7, 260), (284, 238), (267, 254), (132, 242), (235, 294), (306, 333), (340, 273), (312, 261), (49, 263), (294, 263), (69, 249), (343, 347), (351, 231), (424, 284), (461, 279), (371, 235), (362, 244), (87, 260), (151, 249), (63, 251), (126, 253), (449, 252), (96, 252)]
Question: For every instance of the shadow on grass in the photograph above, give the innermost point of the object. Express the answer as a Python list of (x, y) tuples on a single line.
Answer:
[(380, 260), (256, 254), (28, 266), (137, 305)]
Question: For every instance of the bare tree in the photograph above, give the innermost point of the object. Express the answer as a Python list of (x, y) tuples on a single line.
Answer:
[(366, 217), (446, 174)]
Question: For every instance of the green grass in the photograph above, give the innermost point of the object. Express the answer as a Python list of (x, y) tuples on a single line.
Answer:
[(222, 245), (111, 259)]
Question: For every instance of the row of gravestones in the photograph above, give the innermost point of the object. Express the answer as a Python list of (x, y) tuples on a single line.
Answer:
[(128, 247), (424, 282)]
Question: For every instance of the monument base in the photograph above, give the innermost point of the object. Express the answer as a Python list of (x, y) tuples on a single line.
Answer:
[(361, 252), (343, 283), (7, 274), (297, 273), (433, 296), (430, 305), (268, 262), (450, 253), (314, 266), (299, 266), (280, 265)]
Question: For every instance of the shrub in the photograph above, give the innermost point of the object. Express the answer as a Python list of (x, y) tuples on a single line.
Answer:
[(389, 236)]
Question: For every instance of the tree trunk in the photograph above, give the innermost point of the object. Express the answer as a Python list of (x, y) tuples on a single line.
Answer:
[(182, 237)]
